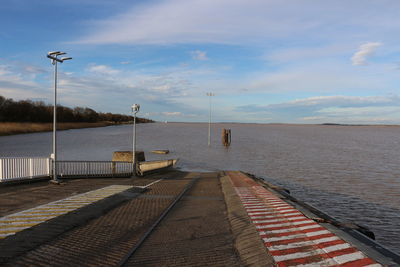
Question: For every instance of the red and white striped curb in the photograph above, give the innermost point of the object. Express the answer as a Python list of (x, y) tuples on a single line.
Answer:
[(293, 239)]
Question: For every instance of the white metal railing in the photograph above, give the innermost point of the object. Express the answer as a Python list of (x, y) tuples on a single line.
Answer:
[(23, 168), (94, 168), (28, 168)]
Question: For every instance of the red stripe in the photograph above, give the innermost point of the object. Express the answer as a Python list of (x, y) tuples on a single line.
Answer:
[(358, 263), (295, 240), (306, 248), (281, 217), (292, 233), (290, 226), (316, 258), (285, 221), (342, 252), (285, 212)]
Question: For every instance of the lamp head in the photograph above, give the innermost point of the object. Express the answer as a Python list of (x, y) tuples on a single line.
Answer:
[(51, 53), (56, 53), (66, 58), (135, 107)]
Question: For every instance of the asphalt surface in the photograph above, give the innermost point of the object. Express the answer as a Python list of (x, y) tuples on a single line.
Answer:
[(200, 230)]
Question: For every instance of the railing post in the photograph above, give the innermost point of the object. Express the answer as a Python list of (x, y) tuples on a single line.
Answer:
[(48, 166), (30, 168), (1, 169)]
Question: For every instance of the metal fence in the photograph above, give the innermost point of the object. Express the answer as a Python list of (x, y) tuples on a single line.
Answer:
[(67, 169), (29, 168), (23, 168)]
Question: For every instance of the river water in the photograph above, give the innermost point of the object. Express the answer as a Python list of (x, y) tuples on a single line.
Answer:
[(349, 172)]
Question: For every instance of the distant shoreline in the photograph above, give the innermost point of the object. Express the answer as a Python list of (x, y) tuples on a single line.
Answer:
[(12, 128)]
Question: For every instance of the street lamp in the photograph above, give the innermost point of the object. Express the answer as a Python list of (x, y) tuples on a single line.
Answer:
[(135, 109), (54, 60), (210, 94)]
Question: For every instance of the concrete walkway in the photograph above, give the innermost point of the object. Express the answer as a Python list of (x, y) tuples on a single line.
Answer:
[(224, 219)]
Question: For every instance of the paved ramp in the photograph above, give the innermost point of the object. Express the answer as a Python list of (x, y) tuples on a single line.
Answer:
[(290, 237), (13, 223)]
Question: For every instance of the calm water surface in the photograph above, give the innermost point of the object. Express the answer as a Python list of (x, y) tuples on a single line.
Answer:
[(352, 173)]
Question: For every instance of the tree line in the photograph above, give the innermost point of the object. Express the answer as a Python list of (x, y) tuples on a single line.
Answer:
[(38, 111)]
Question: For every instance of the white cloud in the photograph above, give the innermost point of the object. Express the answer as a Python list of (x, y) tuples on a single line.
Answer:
[(336, 109), (199, 55), (201, 21), (365, 50), (240, 22), (102, 69), (172, 114)]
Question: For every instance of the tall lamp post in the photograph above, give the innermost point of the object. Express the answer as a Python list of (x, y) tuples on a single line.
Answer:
[(210, 94), (54, 60), (135, 109)]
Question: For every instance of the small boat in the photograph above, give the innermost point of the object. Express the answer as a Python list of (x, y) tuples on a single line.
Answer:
[(152, 166), (160, 151)]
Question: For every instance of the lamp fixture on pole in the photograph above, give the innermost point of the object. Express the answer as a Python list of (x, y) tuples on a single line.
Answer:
[(54, 60), (135, 109)]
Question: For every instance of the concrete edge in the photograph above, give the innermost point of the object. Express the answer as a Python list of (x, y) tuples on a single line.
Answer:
[(247, 241), (352, 236)]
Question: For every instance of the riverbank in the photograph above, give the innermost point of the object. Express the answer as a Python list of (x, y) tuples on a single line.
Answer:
[(10, 128)]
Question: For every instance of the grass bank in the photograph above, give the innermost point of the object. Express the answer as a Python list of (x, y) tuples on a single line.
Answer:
[(9, 128)]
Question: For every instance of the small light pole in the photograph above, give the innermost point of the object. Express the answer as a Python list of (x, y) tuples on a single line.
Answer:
[(210, 94), (54, 60), (135, 109)]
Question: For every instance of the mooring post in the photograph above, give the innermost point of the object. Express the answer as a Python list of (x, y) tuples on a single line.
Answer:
[(226, 137)]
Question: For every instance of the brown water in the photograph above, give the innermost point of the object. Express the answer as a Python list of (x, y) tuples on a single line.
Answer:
[(352, 173)]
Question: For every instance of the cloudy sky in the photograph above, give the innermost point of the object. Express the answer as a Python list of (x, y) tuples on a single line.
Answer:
[(287, 61)]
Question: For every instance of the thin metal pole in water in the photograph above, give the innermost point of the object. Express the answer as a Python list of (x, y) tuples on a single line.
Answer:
[(210, 94)]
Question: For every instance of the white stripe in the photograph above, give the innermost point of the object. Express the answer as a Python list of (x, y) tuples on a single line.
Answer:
[(288, 208), (26, 221), (373, 265), (34, 217), (254, 207), (279, 205), (51, 210), (285, 219), (302, 235), (65, 205), (302, 244), (15, 229), (336, 247), (287, 215), (297, 255), (257, 209), (287, 224), (288, 230), (150, 184), (349, 257), (269, 212), (275, 214), (338, 260)]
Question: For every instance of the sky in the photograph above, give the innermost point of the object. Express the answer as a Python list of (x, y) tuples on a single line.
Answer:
[(265, 61)]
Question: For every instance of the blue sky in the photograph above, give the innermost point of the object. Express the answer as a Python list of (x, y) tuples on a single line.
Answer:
[(266, 61)]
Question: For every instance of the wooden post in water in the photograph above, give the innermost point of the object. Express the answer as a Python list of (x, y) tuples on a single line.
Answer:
[(226, 137)]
